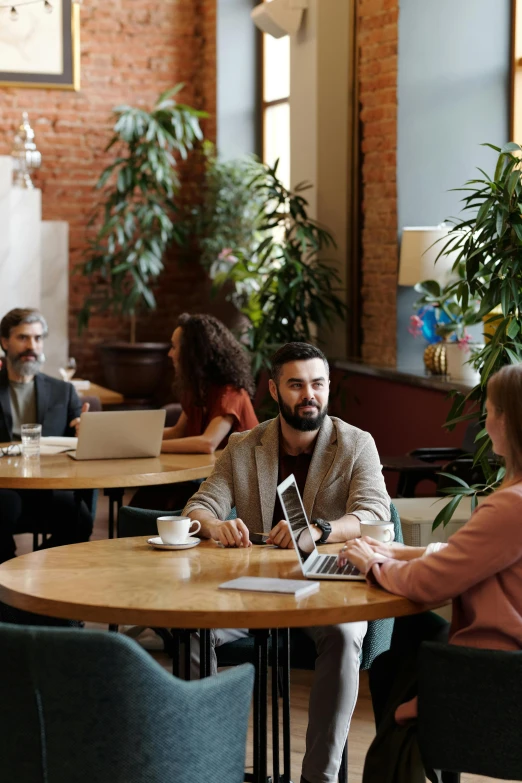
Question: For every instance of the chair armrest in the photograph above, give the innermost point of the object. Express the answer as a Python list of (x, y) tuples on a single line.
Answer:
[(437, 453)]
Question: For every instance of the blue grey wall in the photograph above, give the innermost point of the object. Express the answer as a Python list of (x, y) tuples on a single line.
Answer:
[(453, 95), (237, 104)]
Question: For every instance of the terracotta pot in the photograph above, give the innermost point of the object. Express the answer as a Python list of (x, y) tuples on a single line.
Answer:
[(134, 370)]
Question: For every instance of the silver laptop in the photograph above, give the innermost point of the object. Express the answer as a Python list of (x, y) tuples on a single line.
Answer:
[(313, 565), (120, 435)]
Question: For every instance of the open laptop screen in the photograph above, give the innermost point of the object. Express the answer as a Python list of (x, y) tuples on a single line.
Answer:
[(294, 512)]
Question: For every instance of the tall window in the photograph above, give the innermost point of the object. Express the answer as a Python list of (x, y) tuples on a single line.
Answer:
[(276, 104)]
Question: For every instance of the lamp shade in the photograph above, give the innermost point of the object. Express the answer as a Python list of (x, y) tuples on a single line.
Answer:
[(418, 254)]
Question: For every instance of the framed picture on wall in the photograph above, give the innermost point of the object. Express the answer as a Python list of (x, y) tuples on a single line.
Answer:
[(40, 44)]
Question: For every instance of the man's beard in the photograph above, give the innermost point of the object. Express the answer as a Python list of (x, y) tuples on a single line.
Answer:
[(308, 423), (27, 368)]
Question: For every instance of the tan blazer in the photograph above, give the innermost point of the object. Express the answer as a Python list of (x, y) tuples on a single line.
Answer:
[(344, 477)]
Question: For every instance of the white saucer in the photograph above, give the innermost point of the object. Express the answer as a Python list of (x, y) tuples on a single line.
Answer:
[(157, 543)]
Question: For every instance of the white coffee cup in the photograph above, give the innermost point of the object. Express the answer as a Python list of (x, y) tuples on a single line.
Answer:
[(176, 530), (380, 531)]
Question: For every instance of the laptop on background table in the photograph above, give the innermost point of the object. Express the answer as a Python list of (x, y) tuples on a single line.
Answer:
[(120, 435), (313, 565)]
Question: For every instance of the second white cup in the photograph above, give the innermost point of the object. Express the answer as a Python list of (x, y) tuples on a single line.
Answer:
[(176, 530), (380, 531)]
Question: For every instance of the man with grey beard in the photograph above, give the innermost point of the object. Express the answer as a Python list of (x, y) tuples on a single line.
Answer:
[(27, 396)]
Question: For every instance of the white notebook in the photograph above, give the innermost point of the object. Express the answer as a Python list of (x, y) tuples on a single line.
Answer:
[(297, 587)]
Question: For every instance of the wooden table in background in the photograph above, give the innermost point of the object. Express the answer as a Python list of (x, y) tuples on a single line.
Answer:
[(59, 471), (107, 396)]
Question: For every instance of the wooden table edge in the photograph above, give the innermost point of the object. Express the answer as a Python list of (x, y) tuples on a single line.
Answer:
[(204, 619), (107, 482)]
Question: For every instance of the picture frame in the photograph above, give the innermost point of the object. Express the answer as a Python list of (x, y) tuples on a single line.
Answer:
[(41, 49)]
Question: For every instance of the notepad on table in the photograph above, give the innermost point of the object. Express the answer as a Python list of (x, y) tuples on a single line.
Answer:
[(57, 445), (297, 587)]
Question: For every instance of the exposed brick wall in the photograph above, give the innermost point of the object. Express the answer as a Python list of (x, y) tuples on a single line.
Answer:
[(131, 50), (378, 44)]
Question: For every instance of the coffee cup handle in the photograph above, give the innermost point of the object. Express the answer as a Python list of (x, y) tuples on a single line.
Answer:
[(193, 532), (391, 536)]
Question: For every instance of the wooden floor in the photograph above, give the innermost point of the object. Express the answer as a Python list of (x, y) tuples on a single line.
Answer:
[(362, 728)]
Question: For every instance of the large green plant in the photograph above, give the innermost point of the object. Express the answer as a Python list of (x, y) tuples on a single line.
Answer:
[(227, 220), (489, 243), (293, 292), (134, 220)]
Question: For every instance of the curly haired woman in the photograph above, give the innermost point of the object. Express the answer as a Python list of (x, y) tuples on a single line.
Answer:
[(215, 387)]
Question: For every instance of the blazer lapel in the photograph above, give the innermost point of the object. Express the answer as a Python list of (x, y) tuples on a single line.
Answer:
[(323, 456), (5, 405), (267, 464), (42, 397)]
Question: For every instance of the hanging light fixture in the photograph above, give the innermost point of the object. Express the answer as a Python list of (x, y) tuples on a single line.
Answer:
[(13, 14), (48, 7)]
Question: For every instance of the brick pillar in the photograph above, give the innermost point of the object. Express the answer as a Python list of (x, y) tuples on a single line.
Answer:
[(378, 44)]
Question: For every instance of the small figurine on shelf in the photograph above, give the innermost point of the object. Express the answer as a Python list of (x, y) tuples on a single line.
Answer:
[(25, 155)]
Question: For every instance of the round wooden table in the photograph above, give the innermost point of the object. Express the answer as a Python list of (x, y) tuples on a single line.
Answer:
[(59, 471), (127, 582)]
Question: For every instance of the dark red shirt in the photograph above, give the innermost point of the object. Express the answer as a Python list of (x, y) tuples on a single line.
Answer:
[(288, 464), (221, 401)]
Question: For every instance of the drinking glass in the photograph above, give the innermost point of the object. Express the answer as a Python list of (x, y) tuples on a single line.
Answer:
[(31, 434), (69, 370)]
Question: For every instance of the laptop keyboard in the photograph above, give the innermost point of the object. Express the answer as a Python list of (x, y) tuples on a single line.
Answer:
[(329, 566)]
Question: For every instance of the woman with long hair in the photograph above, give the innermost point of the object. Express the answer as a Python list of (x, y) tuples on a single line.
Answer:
[(214, 383), (480, 569), (215, 387)]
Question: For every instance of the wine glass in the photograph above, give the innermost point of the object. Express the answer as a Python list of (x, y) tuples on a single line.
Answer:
[(67, 372)]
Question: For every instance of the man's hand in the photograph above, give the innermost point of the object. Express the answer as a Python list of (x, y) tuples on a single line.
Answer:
[(280, 535), (75, 423), (230, 532)]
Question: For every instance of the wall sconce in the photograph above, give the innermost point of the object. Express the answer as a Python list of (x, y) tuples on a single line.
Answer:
[(279, 17)]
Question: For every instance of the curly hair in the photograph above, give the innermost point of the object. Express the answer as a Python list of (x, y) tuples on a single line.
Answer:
[(210, 355)]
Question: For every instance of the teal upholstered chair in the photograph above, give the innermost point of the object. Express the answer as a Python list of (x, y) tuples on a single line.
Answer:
[(84, 706)]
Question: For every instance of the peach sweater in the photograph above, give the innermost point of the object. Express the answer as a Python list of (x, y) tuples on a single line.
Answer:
[(480, 568)]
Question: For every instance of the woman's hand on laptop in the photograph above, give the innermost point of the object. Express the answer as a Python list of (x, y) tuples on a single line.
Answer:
[(75, 423), (360, 554), (230, 532)]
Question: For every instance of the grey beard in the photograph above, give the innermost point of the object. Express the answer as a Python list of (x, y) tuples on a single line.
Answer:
[(28, 368)]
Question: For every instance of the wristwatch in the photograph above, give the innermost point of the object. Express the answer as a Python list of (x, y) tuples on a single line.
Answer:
[(325, 527)]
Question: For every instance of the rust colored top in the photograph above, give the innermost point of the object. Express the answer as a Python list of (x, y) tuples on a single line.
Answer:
[(221, 401)]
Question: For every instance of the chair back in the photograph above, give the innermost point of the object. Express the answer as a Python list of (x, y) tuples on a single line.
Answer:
[(83, 706), (140, 521), (470, 717)]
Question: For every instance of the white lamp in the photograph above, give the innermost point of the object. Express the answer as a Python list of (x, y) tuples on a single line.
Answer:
[(279, 17), (418, 254)]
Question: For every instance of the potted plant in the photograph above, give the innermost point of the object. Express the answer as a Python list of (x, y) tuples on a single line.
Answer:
[(134, 224), (288, 289), (489, 243)]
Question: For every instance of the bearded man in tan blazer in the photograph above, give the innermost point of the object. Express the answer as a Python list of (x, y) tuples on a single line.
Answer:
[(338, 472)]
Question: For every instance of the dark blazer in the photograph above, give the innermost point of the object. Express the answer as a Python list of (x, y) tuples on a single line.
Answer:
[(57, 403)]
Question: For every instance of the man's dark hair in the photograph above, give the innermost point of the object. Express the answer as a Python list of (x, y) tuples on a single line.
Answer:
[(295, 352), (210, 355), (21, 315)]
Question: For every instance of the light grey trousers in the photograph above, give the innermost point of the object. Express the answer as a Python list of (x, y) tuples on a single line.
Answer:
[(333, 695)]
